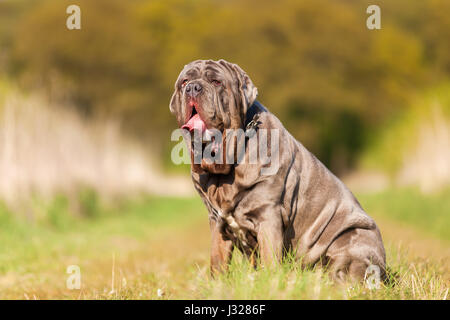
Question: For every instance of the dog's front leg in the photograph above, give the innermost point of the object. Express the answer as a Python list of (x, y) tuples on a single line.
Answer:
[(221, 249), (270, 241)]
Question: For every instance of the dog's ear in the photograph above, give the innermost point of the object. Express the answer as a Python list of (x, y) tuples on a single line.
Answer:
[(247, 89), (175, 105)]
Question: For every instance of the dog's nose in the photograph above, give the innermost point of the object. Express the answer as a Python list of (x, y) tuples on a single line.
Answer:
[(193, 89)]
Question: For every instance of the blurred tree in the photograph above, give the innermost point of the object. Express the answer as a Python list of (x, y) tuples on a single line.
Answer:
[(330, 79)]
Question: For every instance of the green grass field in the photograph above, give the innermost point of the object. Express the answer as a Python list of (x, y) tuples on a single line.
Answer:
[(158, 248)]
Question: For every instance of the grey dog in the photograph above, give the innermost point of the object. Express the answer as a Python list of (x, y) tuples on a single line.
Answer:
[(303, 208)]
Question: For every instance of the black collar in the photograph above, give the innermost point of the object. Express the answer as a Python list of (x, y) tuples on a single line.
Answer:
[(251, 112)]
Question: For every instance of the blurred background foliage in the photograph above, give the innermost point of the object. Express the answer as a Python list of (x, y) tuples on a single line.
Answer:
[(337, 86)]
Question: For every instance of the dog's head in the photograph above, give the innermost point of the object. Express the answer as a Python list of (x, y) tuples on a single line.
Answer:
[(212, 95)]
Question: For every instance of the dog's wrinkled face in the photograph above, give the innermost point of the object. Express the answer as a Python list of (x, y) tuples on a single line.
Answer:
[(212, 95)]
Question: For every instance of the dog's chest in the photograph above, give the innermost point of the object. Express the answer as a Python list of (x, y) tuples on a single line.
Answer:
[(221, 202), (236, 231)]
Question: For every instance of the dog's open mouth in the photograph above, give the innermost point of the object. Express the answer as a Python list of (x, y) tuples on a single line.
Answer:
[(200, 135), (194, 122), (196, 127)]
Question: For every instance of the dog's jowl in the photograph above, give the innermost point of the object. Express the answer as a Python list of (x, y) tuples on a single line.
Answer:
[(285, 201)]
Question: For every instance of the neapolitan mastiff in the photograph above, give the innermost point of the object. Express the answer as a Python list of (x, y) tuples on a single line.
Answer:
[(301, 207)]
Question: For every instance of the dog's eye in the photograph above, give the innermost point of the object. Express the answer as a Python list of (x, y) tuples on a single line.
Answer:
[(185, 81), (216, 82)]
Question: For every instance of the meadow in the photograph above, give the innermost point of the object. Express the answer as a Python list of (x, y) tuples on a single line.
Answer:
[(76, 192), (86, 176), (157, 248)]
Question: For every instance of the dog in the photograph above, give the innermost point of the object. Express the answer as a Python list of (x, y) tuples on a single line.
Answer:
[(301, 207)]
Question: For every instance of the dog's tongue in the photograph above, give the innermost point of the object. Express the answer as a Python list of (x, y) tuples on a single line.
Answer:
[(195, 123)]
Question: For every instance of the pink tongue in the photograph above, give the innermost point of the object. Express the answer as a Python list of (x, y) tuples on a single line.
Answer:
[(195, 123)]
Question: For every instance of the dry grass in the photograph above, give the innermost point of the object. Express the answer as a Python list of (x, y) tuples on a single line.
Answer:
[(413, 147), (46, 149), (159, 249), (428, 164)]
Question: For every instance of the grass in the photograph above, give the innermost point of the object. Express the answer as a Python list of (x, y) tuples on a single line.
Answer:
[(288, 281), (158, 248)]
